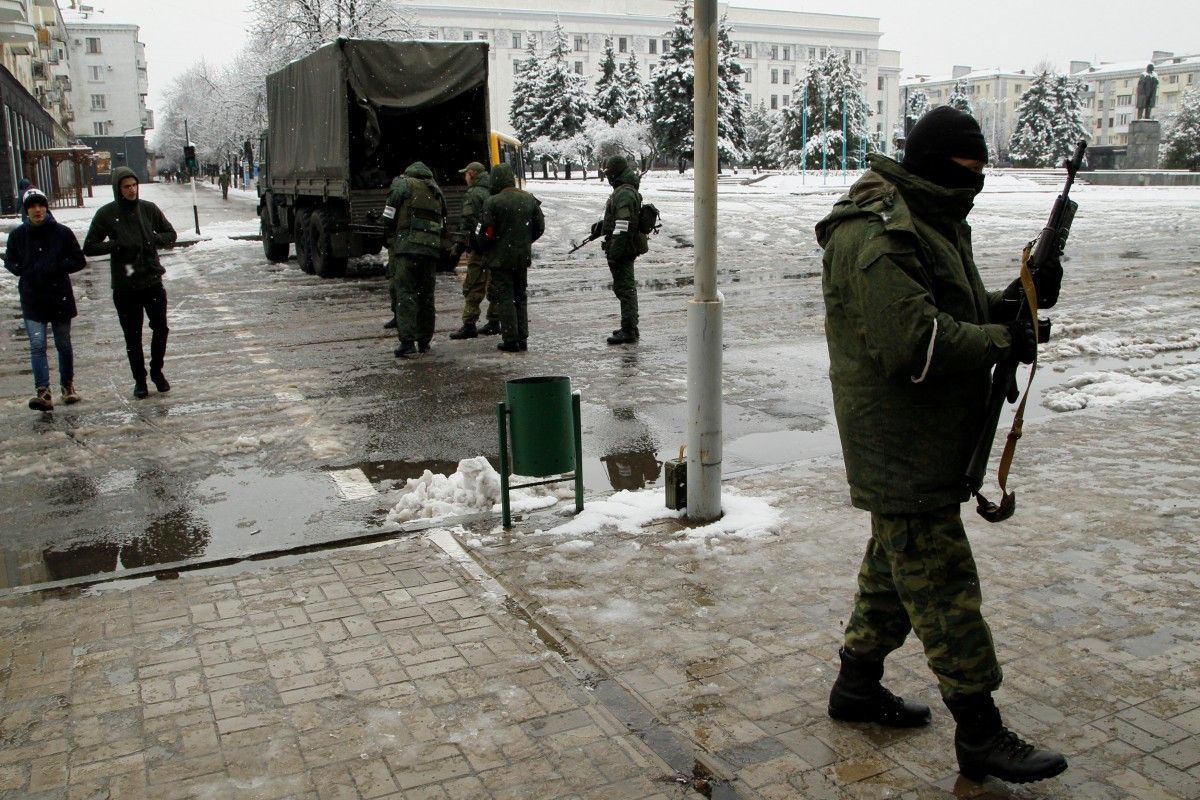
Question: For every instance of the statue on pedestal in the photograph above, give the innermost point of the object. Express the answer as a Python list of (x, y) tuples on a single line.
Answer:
[(1147, 90)]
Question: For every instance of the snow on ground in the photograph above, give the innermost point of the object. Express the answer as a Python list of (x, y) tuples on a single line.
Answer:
[(474, 487)]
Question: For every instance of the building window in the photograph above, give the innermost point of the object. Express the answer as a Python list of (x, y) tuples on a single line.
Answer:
[(578, 67), (516, 41), (433, 33), (747, 50), (98, 102), (1123, 119), (774, 52), (774, 76), (98, 128), (579, 44), (748, 76), (1172, 79), (879, 83), (93, 44), (1124, 99), (858, 56), (824, 52), (787, 76), (879, 107), (622, 44), (812, 54), (749, 101), (774, 102), (666, 44), (468, 35), (787, 53), (653, 47), (483, 36), (95, 73), (786, 100)]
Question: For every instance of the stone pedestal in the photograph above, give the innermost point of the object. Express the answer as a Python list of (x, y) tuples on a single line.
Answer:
[(1145, 135)]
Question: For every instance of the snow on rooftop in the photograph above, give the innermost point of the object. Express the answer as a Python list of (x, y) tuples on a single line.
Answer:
[(1119, 67)]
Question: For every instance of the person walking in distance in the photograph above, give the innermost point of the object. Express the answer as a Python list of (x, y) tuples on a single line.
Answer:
[(414, 218), (43, 254), (913, 336), (130, 231), (623, 243), (510, 223), (476, 285)]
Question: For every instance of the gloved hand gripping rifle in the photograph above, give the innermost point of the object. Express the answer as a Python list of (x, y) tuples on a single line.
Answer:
[(596, 232), (1043, 253)]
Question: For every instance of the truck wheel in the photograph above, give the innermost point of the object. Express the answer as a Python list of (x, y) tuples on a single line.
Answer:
[(276, 252), (303, 241), (325, 263)]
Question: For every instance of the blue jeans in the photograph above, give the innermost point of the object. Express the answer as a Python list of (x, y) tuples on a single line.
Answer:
[(37, 351)]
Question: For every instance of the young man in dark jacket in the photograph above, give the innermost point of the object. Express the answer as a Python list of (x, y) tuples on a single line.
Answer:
[(130, 231), (43, 254), (913, 335)]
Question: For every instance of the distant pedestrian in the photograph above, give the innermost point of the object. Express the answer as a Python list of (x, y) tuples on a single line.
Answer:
[(130, 231), (224, 181), (414, 217), (511, 222), (43, 254)]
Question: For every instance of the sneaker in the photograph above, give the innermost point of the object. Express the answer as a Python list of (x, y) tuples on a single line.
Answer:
[(140, 390), (160, 382), (69, 395), (467, 331), (491, 328), (43, 401)]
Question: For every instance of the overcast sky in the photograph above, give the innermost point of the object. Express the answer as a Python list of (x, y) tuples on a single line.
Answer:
[(931, 35)]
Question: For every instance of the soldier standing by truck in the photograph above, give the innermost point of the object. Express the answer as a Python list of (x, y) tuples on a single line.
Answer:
[(623, 243), (476, 284), (511, 222), (414, 218)]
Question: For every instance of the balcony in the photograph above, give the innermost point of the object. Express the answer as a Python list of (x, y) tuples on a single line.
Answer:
[(12, 11), (20, 36)]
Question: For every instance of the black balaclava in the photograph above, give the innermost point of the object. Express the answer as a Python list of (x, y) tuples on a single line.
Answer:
[(940, 135)]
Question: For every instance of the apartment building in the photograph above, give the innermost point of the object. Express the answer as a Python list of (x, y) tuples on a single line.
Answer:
[(994, 94), (773, 45), (109, 81)]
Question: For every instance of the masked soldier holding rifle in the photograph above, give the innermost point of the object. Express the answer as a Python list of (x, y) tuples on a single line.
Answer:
[(913, 336)]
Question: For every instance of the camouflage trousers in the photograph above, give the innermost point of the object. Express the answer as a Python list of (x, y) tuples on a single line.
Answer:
[(413, 279), (509, 293), (476, 286), (625, 288), (918, 574)]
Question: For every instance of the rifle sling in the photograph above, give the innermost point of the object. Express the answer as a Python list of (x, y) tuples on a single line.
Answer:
[(1008, 500)]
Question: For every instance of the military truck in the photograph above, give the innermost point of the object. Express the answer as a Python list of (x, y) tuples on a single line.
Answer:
[(348, 118)]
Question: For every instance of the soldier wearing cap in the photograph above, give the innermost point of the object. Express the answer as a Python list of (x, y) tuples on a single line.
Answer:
[(476, 284), (623, 243)]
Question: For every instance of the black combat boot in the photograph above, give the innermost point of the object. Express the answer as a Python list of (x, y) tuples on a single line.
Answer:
[(624, 336), (467, 331), (391, 323), (140, 390), (985, 747), (160, 381), (524, 345), (406, 349), (423, 345), (509, 347), (858, 696), (491, 328)]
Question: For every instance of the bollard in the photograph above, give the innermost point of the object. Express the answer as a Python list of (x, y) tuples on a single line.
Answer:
[(540, 430)]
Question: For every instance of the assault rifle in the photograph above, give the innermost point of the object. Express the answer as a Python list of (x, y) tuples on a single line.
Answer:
[(1046, 249), (591, 238)]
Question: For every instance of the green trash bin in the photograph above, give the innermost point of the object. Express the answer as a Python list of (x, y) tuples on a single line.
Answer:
[(542, 415), (541, 426)]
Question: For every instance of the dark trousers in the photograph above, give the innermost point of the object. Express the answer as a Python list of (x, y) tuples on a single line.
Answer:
[(131, 304), (510, 296)]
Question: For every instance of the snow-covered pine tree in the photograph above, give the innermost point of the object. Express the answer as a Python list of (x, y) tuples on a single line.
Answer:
[(731, 102), (1049, 122), (558, 105), (636, 94), (959, 99), (918, 104), (609, 102), (672, 88), (527, 78), (826, 85), (1181, 148), (760, 150)]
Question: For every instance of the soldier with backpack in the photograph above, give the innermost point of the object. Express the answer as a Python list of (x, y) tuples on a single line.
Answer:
[(414, 218), (624, 241)]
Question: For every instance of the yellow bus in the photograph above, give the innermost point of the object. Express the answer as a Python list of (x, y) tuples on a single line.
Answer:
[(506, 149)]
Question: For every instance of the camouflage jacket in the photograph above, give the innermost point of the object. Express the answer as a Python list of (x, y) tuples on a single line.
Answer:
[(511, 222)]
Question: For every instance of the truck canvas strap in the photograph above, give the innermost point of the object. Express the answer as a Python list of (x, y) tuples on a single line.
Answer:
[(990, 511)]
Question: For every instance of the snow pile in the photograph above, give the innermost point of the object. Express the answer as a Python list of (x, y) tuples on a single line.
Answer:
[(1107, 388), (1133, 346), (474, 487)]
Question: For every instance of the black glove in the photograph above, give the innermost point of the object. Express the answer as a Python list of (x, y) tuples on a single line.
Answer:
[(597, 229), (1024, 340), (1046, 283)]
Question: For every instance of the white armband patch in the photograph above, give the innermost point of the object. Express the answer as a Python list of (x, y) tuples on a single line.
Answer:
[(478, 228), (928, 354), (621, 226), (389, 212)]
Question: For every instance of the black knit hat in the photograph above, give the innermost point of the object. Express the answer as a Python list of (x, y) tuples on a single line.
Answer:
[(33, 196), (940, 135)]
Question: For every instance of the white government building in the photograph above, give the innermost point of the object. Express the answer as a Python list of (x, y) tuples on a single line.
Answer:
[(774, 45)]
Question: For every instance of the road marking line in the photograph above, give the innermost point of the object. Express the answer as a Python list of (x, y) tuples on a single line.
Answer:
[(353, 484)]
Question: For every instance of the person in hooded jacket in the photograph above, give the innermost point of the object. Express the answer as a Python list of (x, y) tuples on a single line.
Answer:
[(414, 218), (476, 285), (511, 221), (623, 243), (913, 336), (130, 231), (43, 254)]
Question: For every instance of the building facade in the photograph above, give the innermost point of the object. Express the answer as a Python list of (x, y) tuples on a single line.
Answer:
[(994, 95), (109, 81), (1110, 93), (773, 45)]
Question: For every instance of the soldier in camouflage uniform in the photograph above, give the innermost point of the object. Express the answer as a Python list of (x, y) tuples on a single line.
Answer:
[(414, 218), (623, 243), (476, 285), (511, 222), (912, 337)]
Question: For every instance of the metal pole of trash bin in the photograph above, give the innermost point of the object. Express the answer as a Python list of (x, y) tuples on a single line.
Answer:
[(578, 415), (704, 310), (502, 425)]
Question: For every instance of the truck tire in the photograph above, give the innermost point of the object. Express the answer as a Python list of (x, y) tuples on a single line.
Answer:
[(276, 252), (325, 263), (303, 241)]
